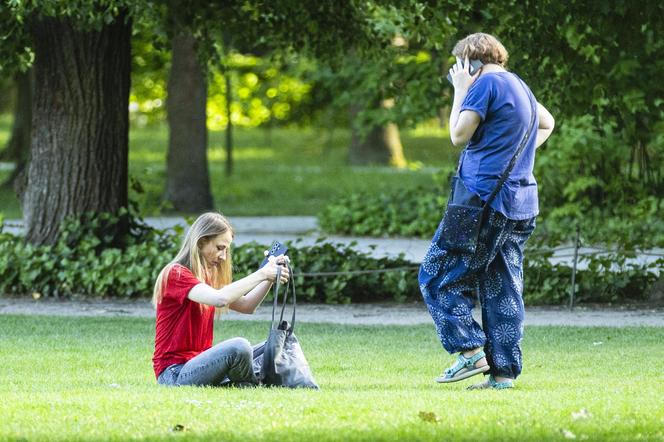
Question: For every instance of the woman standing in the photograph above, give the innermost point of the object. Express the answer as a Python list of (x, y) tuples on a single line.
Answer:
[(186, 293), (491, 113)]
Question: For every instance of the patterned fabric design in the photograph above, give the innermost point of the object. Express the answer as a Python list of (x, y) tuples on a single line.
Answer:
[(450, 282), (508, 307), (433, 259)]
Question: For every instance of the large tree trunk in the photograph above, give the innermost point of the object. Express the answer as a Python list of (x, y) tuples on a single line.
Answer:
[(188, 179), (80, 124), (18, 146), (382, 145)]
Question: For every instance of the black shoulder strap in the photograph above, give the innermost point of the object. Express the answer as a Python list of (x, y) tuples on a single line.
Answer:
[(520, 149)]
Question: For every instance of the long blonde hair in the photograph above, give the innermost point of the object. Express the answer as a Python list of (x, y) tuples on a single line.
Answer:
[(206, 227)]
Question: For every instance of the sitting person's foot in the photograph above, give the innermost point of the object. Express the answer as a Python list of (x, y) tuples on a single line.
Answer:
[(496, 383), (465, 367)]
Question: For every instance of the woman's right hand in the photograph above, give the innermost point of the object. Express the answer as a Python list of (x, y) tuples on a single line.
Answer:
[(274, 263), (460, 73)]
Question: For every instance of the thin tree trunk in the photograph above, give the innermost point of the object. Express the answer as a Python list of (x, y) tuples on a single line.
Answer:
[(18, 146), (187, 175), (80, 124), (229, 123), (382, 145)]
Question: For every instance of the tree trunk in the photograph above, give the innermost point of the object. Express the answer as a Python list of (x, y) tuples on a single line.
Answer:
[(382, 145), (188, 179), (18, 146), (229, 123), (80, 124)]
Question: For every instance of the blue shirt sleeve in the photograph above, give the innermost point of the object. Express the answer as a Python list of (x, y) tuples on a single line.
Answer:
[(479, 97)]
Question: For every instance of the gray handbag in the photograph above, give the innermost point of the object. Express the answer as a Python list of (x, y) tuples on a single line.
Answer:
[(283, 362)]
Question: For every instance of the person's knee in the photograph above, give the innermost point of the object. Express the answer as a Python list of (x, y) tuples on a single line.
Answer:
[(241, 348)]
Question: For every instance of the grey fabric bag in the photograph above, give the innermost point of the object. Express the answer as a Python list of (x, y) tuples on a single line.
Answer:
[(283, 362)]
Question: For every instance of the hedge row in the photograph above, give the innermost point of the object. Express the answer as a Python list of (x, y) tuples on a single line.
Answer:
[(89, 260)]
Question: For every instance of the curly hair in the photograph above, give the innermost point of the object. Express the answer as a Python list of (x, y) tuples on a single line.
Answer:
[(483, 47)]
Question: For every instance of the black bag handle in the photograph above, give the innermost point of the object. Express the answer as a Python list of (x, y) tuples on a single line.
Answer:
[(289, 285)]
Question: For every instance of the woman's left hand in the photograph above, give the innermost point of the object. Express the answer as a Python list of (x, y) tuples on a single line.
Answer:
[(274, 263)]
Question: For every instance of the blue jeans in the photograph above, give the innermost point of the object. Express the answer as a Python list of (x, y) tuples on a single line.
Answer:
[(450, 281), (228, 360)]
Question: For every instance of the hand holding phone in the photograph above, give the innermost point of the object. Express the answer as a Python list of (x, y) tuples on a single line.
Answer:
[(276, 249), (474, 66)]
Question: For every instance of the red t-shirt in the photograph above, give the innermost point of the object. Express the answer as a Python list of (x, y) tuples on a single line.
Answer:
[(184, 327)]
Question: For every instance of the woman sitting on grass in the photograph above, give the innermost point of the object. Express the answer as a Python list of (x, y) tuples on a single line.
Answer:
[(186, 294)]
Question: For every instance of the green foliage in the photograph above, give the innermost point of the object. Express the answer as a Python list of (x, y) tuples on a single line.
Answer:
[(327, 257), (403, 212), (90, 260), (586, 180), (265, 89), (401, 83), (582, 165), (608, 278)]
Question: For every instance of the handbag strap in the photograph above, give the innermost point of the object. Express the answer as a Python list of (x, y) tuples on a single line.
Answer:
[(289, 285), (519, 150)]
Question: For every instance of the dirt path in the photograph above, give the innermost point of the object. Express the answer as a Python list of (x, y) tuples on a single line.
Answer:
[(364, 314)]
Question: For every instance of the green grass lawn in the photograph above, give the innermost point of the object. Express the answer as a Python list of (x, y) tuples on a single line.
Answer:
[(288, 171), (90, 379)]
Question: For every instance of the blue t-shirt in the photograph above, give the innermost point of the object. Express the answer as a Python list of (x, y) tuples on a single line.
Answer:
[(502, 101)]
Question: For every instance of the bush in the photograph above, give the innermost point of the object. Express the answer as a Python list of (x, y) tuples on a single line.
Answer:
[(405, 212), (325, 257), (84, 262), (607, 279), (91, 260)]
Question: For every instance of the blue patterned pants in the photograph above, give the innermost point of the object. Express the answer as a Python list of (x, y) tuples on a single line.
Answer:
[(451, 281)]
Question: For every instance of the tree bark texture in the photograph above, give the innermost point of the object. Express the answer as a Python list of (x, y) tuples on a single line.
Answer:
[(80, 124), (18, 146), (382, 145), (188, 179)]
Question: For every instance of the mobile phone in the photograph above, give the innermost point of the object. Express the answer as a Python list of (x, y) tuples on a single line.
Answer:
[(474, 66), (276, 249)]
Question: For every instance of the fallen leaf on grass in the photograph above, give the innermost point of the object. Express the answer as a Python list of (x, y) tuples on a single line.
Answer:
[(179, 427), (429, 416), (581, 414), (568, 434)]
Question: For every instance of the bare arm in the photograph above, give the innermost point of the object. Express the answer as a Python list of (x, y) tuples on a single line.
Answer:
[(546, 125), (255, 285), (462, 124), (250, 302)]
